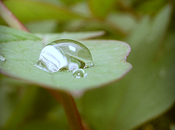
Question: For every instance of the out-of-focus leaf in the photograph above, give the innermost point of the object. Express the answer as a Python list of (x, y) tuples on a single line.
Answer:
[(7, 35), (147, 91), (70, 2), (44, 26), (19, 113), (10, 93), (122, 20), (79, 35), (101, 8), (26, 10), (21, 57), (82, 8), (43, 125), (149, 6)]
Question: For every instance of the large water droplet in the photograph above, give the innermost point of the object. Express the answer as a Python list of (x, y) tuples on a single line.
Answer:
[(74, 49), (79, 73), (64, 53)]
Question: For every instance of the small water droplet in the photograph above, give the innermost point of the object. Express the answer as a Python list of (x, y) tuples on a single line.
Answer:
[(79, 73), (2, 58), (64, 53)]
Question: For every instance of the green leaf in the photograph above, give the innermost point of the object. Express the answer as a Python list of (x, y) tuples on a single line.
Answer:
[(151, 7), (44, 26), (10, 91), (123, 21), (100, 8), (7, 35), (43, 125), (19, 113), (79, 35), (26, 10), (147, 90), (21, 56), (70, 2)]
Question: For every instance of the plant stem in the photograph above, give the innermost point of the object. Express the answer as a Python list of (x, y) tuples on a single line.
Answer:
[(63, 97), (10, 18), (70, 108)]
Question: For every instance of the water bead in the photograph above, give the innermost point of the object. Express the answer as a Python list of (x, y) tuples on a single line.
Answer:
[(74, 49), (51, 59), (79, 73), (64, 53)]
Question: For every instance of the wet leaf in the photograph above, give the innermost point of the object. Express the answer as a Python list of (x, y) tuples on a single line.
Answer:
[(21, 56)]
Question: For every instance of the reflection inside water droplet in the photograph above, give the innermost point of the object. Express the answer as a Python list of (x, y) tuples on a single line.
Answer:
[(2, 58), (64, 53), (79, 73)]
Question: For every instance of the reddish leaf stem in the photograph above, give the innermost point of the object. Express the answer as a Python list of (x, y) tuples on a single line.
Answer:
[(10, 18), (70, 108)]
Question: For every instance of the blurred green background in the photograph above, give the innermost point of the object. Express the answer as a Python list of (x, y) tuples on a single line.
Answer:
[(142, 100)]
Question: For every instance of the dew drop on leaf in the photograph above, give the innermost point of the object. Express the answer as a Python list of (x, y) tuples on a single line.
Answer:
[(65, 53), (79, 73)]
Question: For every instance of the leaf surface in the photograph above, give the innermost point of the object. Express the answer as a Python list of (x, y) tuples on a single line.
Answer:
[(21, 56)]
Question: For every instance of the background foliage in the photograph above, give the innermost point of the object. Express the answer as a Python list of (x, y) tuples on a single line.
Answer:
[(144, 93)]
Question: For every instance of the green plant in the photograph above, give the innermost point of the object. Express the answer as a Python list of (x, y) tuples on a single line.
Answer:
[(144, 93)]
